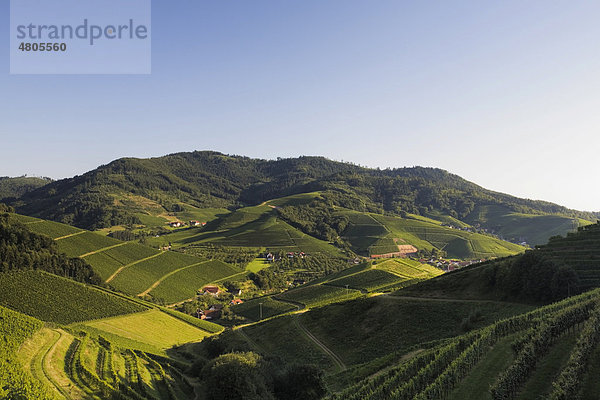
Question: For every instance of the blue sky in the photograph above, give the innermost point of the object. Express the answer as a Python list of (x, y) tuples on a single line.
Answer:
[(505, 94)]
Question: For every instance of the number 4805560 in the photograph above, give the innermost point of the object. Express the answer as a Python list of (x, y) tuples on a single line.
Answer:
[(43, 46)]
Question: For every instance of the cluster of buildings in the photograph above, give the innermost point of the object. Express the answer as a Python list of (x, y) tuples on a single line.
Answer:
[(179, 224), (215, 310), (272, 257), (448, 265)]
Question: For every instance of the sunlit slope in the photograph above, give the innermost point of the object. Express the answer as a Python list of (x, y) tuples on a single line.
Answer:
[(579, 251), (257, 226), (531, 228), (133, 268), (377, 234)]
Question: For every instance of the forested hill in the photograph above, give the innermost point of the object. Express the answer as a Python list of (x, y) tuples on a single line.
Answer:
[(110, 194), (16, 187)]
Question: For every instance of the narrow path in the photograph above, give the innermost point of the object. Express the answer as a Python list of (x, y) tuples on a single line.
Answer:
[(251, 342), (336, 359), (33, 353), (47, 360), (101, 250), (68, 236), (441, 299), (110, 278), (158, 282)]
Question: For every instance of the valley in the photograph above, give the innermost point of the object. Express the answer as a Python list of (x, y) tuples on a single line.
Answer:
[(356, 283)]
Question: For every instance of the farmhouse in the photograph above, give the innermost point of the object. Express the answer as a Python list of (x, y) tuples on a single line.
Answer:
[(212, 290), (236, 302), (176, 224), (194, 223)]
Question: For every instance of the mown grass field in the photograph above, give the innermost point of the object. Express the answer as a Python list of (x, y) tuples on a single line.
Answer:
[(153, 327), (55, 299)]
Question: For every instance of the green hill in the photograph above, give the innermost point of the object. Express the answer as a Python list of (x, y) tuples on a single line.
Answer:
[(566, 265), (150, 192), (17, 187)]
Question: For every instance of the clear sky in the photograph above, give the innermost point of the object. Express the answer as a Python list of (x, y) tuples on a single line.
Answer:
[(503, 93)]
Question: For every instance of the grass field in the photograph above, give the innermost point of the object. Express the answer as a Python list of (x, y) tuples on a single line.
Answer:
[(257, 264), (55, 299), (153, 327)]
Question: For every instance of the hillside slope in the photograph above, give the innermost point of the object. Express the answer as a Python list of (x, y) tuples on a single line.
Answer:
[(562, 267), (129, 190)]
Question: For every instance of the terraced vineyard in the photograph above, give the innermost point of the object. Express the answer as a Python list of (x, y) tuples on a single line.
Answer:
[(257, 226), (386, 275), (377, 234), (439, 371), (138, 277), (133, 268), (251, 309), (60, 300), (319, 295), (15, 329), (581, 251), (79, 366), (180, 285), (107, 262)]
